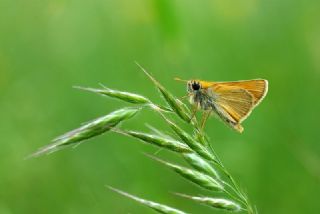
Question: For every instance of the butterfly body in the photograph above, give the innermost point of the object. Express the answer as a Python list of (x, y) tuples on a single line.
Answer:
[(232, 102), (204, 99)]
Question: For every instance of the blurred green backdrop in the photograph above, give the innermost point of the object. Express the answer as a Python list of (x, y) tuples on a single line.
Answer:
[(46, 47)]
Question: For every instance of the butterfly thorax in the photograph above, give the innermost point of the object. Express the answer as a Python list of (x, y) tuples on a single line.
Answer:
[(203, 98)]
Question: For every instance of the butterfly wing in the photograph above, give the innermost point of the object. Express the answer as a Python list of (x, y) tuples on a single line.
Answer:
[(258, 87), (234, 101)]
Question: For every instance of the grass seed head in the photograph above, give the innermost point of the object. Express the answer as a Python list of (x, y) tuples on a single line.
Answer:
[(218, 203), (160, 208), (157, 140), (176, 105), (189, 140), (200, 164), (125, 96), (194, 176), (89, 130)]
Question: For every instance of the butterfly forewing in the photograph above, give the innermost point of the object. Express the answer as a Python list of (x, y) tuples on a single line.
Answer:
[(235, 100), (258, 88)]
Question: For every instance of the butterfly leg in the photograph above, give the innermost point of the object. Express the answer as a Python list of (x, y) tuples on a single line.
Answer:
[(185, 96), (205, 117), (195, 108)]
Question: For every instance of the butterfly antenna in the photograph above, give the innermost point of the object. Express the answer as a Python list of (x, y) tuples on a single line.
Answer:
[(180, 80)]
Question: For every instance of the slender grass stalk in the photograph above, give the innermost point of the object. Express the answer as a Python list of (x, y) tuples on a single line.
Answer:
[(207, 170)]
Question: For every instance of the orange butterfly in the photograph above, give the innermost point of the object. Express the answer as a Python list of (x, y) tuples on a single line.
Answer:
[(232, 102)]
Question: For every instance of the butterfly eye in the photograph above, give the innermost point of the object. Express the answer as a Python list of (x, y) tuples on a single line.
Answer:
[(195, 86)]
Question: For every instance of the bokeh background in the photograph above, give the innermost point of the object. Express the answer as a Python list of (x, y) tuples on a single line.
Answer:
[(48, 46)]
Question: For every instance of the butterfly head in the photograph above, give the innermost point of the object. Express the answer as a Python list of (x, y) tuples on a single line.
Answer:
[(193, 86)]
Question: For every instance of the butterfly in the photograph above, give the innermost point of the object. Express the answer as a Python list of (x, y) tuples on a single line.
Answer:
[(232, 102)]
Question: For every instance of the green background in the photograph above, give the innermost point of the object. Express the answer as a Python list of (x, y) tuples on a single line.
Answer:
[(46, 47)]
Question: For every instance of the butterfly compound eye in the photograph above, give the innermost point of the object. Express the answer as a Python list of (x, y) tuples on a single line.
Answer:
[(195, 86)]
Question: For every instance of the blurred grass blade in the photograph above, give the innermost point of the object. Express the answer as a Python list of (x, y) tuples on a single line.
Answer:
[(87, 131), (125, 96), (192, 143), (194, 176), (173, 102), (153, 205), (200, 164), (214, 202), (157, 140)]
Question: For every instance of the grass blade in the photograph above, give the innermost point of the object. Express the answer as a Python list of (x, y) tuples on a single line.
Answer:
[(157, 140), (87, 131), (194, 176), (218, 203), (160, 208)]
